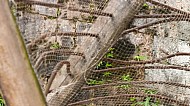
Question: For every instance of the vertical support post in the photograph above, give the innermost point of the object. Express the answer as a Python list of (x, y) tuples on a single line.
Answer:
[(18, 82)]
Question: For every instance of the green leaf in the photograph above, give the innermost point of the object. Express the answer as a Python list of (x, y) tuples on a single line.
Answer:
[(107, 74), (147, 102), (150, 91), (108, 64), (55, 46), (111, 49), (109, 55), (94, 82), (2, 102), (140, 103), (109, 80), (145, 6), (126, 78), (157, 103), (58, 12), (140, 58), (124, 86), (132, 99), (153, 104), (100, 63)]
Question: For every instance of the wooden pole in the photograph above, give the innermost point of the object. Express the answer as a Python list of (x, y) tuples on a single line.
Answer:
[(18, 82)]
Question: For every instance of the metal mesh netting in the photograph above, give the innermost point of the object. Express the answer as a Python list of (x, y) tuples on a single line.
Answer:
[(130, 93), (109, 52)]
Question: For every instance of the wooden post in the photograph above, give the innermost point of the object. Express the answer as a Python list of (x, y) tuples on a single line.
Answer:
[(18, 82)]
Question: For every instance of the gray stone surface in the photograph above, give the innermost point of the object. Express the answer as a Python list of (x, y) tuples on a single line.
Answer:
[(172, 37)]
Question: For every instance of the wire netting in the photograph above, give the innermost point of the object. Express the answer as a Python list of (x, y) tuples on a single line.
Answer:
[(143, 63)]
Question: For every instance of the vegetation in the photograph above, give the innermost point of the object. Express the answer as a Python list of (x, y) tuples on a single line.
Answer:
[(107, 74), (140, 58), (55, 46), (94, 82), (126, 78), (2, 102), (145, 6), (105, 64), (150, 91), (126, 86), (147, 101)]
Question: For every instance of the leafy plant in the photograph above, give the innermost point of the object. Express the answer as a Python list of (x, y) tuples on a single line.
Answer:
[(124, 86), (109, 80), (104, 64), (147, 102), (145, 6), (94, 82), (140, 58), (109, 55), (101, 65), (108, 65), (150, 91), (58, 12), (55, 46), (126, 78), (2, 102), (107, 74), (133, 99), (111, 49)]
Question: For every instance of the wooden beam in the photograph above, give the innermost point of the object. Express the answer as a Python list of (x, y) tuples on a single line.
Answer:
[(18, 82)]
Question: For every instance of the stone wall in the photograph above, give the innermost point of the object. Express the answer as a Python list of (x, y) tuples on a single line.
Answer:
[(171, 37)]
